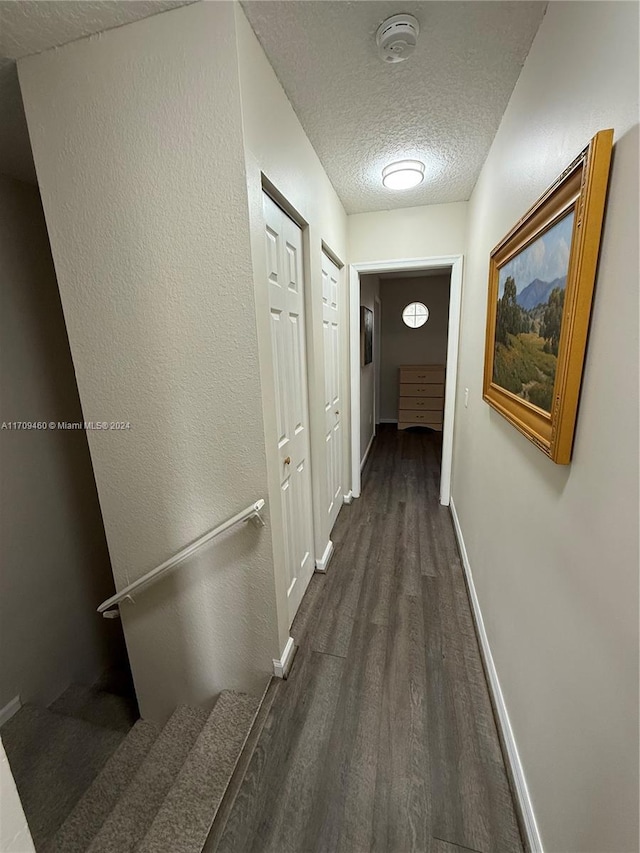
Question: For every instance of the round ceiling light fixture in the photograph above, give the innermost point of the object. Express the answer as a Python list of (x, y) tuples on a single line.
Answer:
[(403, 175), (397, 38)]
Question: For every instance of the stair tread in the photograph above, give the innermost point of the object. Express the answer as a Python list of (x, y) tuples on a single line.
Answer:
[(187, 813), (133, 814), (89, 814), (54, 759), (97, 707), (225, 808)]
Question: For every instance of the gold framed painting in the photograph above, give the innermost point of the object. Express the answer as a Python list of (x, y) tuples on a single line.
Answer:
[(541, 279)]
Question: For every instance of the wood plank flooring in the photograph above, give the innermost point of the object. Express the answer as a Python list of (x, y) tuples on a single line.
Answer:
[(382, 740)]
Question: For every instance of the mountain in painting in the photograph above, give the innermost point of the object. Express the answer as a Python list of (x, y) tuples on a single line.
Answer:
[(537, 293)]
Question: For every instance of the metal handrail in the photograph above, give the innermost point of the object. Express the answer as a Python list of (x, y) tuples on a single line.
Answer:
[(251, 512)]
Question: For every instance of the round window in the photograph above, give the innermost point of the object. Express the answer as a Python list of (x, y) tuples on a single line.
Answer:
[(415, 315)]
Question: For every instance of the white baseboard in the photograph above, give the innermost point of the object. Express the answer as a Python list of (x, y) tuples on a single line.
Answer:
[(388, 420), (281, 667), (323, 562), (10, 709), (348, 498), (363, 461), (530, 827)]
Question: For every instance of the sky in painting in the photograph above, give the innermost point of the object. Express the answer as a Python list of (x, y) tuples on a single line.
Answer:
[(547, 258)]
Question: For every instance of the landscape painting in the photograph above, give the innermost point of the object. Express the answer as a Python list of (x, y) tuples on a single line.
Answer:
[(531, 290), (542, 276)]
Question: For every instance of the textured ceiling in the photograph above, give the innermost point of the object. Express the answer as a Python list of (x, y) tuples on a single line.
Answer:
[(31, 26), (442, 106)]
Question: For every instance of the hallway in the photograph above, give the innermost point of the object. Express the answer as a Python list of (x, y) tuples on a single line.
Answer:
[(383, 737)]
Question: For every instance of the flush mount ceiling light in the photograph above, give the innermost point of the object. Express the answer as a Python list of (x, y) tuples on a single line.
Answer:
[(403, 175), (397, 38)]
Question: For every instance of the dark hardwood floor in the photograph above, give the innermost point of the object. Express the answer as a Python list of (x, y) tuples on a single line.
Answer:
[(383, 737)]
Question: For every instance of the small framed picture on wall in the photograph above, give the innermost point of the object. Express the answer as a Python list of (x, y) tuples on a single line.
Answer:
[(366, 335)]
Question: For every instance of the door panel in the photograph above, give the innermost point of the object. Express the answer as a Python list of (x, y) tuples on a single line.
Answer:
[(279, 362), (331, 320), (286, 304), (299, 399)]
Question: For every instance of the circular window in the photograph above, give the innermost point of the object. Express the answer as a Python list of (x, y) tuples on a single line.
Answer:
[(415, 315)]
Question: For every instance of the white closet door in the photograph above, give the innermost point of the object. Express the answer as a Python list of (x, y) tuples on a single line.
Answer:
[(332, 372), (286, 306)]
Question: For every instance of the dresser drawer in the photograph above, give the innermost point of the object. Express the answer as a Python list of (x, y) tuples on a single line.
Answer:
[(432, 404), (420, 417), (421, 389), (428, 419), (422, 374)]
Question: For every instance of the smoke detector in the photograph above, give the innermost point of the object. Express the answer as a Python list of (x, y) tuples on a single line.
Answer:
[(397, 38)]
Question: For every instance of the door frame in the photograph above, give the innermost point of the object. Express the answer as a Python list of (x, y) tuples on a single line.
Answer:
[(343, 312), (453, 262)]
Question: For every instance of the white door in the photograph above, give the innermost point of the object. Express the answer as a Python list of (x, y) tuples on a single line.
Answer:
[(332, 373), (286, 306)]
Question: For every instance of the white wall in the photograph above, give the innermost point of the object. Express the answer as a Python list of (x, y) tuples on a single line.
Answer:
[(369, 290), (14, 831), (277, 147), (137, 140), (554, 550), (402, 345), (55, 564), (412, 232)]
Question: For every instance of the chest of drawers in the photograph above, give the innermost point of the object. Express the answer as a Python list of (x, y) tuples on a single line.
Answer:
[(421, 395)]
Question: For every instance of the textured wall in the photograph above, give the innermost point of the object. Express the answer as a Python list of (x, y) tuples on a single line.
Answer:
[(402, 345), (277, 147), (137, 141), (30, 27), (55, 564), (413, 232), (554, 550)]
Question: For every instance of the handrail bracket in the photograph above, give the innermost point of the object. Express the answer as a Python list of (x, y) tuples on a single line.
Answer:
[(257, 519)]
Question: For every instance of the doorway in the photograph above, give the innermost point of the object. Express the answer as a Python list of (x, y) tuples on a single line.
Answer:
[(451, 265)]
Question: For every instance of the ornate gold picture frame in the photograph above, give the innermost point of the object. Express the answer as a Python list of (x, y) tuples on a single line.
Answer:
[(541, 279)]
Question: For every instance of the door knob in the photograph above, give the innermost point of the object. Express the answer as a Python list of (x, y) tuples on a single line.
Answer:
[(287, 461), (337, 413)]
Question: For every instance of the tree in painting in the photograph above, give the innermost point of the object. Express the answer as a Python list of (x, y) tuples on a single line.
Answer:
[(529, 316), (510, 318), (552, 321)]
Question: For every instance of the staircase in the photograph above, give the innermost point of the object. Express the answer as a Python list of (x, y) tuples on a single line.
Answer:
[(93, 781)]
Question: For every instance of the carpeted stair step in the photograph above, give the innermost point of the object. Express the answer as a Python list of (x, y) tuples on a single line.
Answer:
[(86, 819), (187, 813), (138, 805), (54, 759), (225, 808), (98, 707)]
